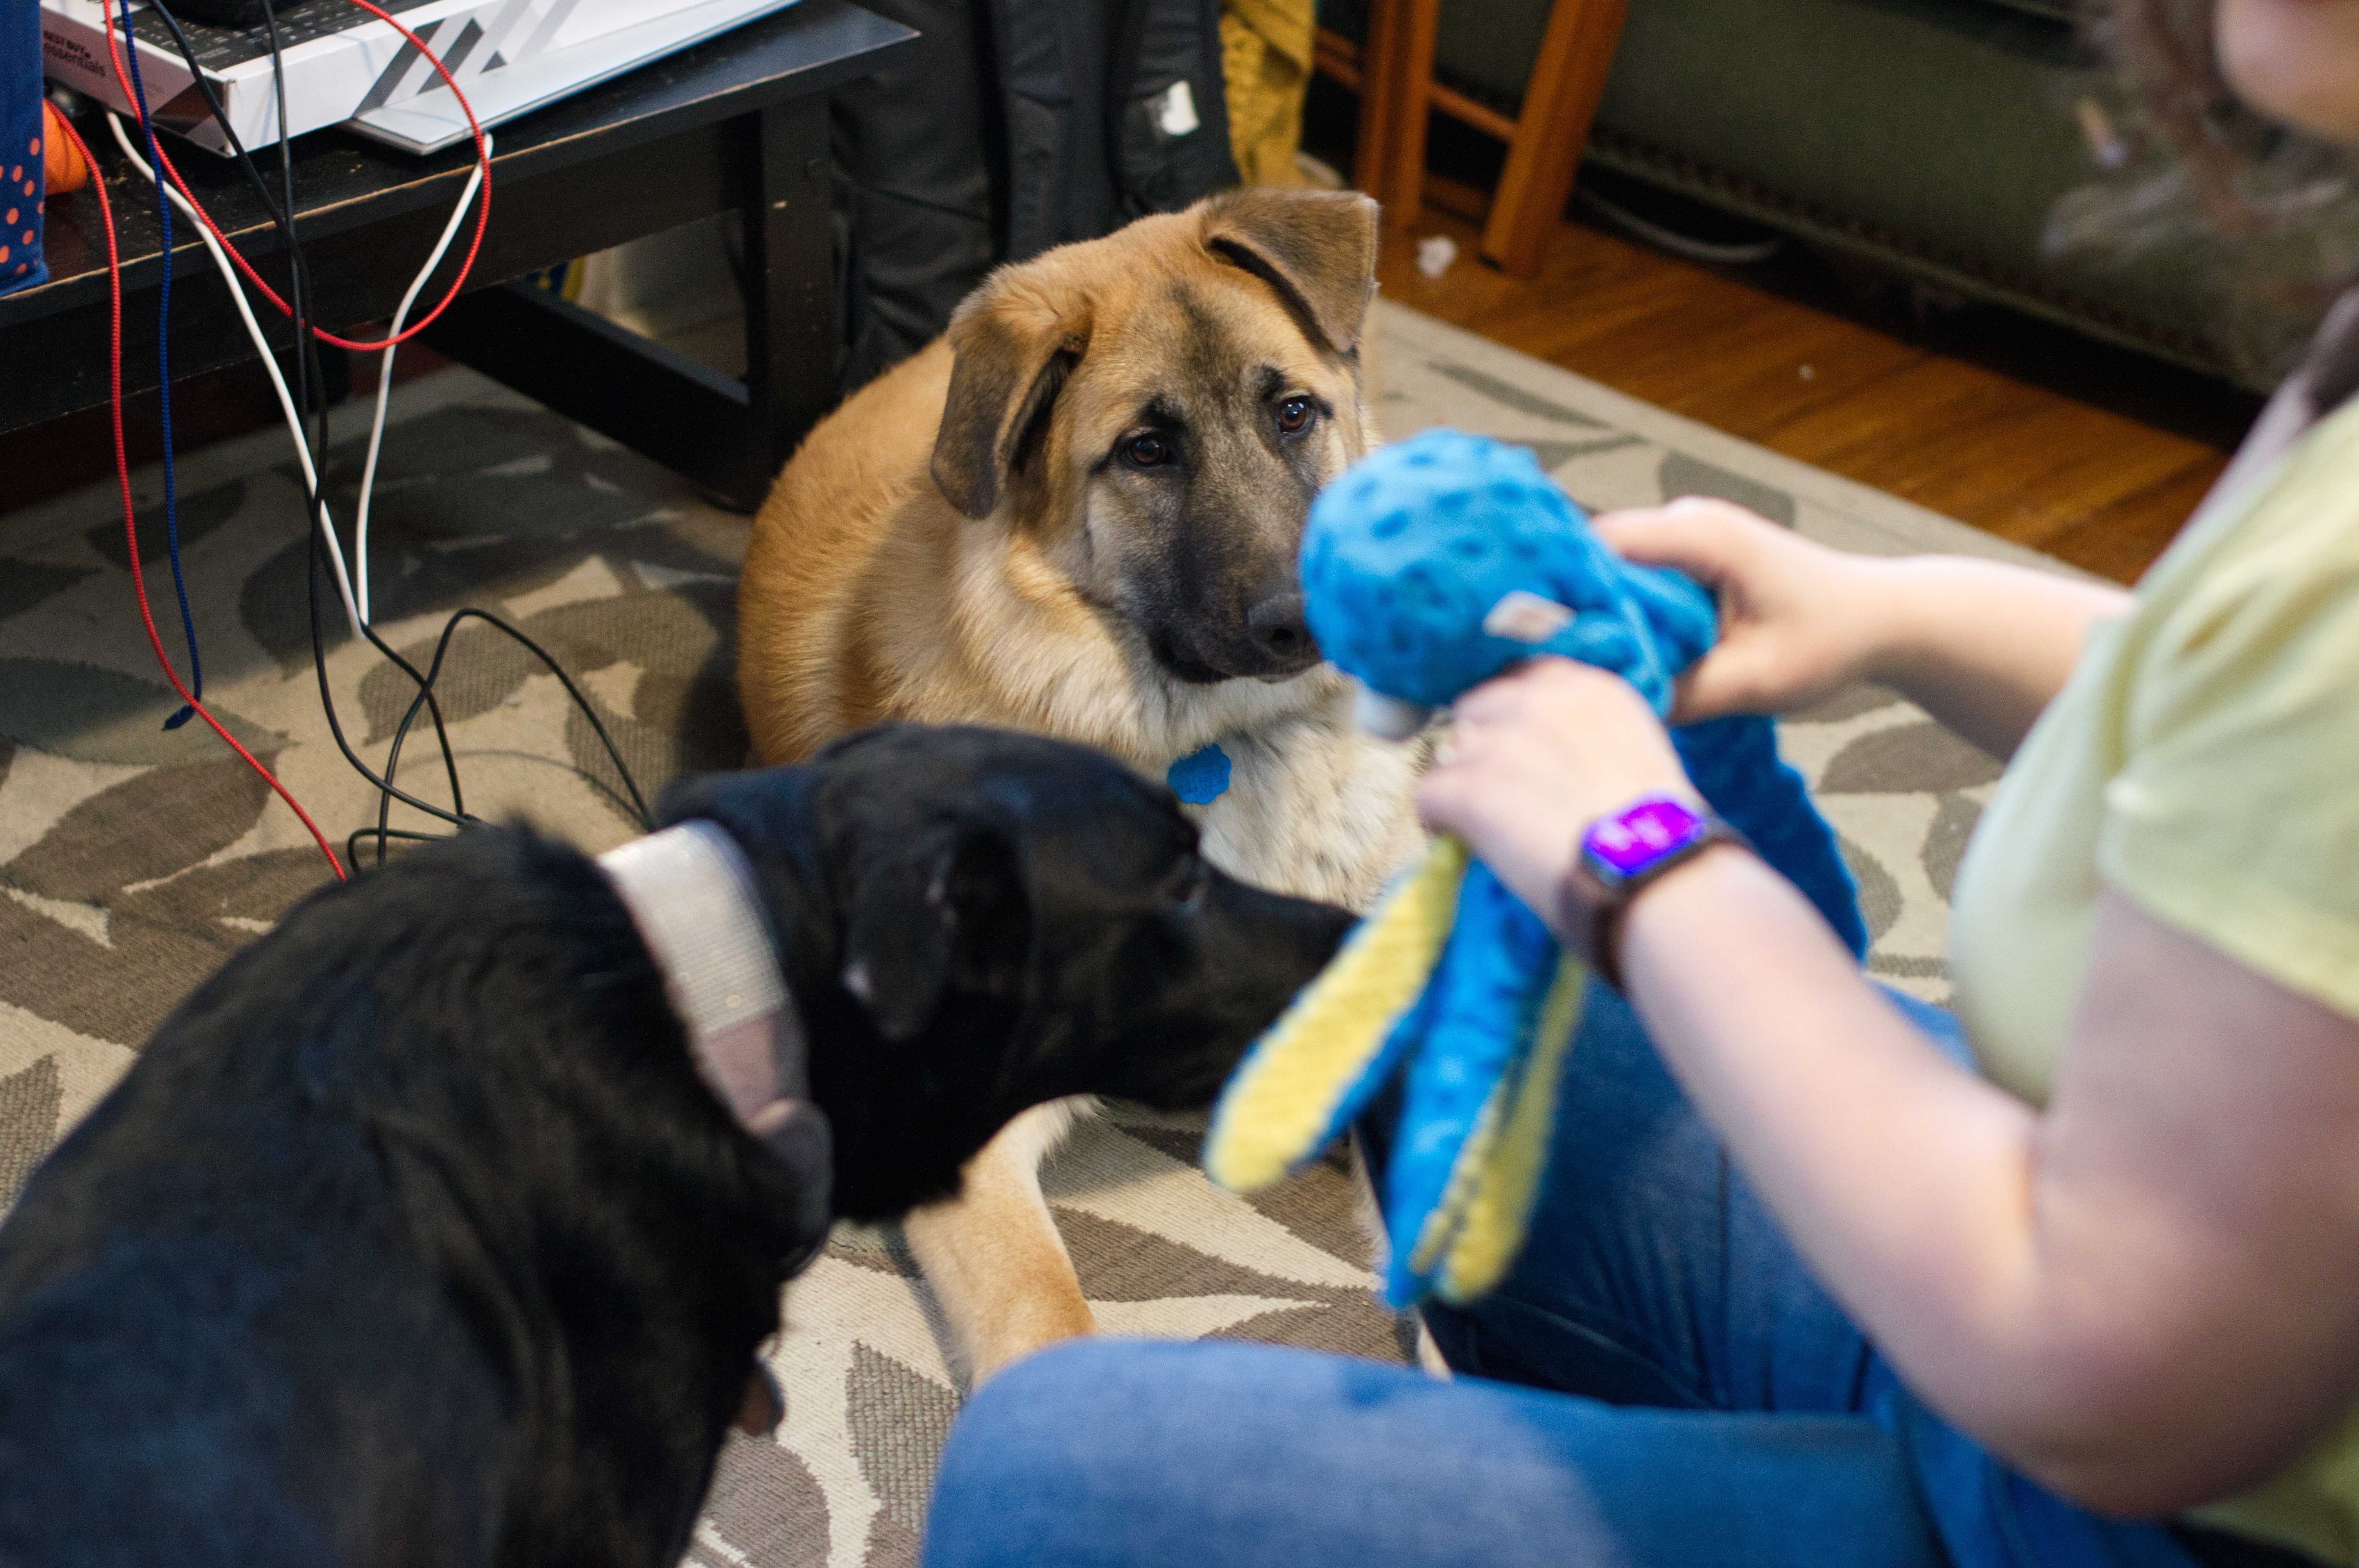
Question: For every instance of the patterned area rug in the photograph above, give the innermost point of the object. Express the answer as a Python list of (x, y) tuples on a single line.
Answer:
[(133, 859)]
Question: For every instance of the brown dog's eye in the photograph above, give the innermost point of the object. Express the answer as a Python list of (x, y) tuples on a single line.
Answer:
[(1146, 452), (1293, 415)]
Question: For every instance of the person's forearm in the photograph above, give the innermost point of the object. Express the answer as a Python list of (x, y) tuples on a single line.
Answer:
[(1981, 645), (1905, 1181)]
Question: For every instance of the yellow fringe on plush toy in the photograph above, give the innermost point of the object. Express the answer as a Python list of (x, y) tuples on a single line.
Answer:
[(1477, 1225), (1442, 1226), (1501, 1207), (1284, 1097)]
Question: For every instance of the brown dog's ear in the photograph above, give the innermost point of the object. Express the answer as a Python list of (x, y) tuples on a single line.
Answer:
[(1010, 353), (1316, 248)]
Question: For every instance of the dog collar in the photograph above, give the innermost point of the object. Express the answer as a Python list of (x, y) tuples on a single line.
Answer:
[(692, 895)]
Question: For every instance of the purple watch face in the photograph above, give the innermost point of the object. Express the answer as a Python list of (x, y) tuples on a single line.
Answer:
[(1623, 844)]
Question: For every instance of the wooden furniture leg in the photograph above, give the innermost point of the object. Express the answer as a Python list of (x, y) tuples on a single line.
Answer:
[(1404, 191), (1544, 155), (1374, 62), (1396, 94)]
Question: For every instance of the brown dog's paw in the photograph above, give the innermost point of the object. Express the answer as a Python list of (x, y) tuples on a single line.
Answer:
[(763, 1407)]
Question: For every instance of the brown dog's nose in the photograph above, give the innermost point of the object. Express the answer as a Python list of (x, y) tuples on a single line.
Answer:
[(1279, 631)]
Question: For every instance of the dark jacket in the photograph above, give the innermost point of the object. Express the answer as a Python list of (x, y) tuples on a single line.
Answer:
[(1017, 124)]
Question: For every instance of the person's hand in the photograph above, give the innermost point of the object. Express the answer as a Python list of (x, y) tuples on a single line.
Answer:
[(1798, 619), (1532, 758)]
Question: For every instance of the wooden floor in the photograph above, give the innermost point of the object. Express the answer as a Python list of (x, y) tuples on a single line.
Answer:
[(2094, 485)]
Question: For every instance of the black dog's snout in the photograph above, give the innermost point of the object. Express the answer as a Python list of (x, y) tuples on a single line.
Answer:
[(1278, 630)]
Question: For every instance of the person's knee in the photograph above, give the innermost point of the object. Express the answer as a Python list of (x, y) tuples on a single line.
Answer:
[(1028, 1450), (1012, 1404), (1017, 1423), (1104, 1441)]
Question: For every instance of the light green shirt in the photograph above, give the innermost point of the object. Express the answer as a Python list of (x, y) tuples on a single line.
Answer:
[(2202, 761)]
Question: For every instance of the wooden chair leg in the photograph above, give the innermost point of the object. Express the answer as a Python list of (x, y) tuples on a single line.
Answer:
[(1377, 74), (1568, 78), (1404, 190), (1395, 95)]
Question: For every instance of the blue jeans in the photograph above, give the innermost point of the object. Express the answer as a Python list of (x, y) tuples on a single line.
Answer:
[(1659, 1383)]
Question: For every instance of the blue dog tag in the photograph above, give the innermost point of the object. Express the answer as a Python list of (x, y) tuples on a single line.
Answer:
[(1202, 778)]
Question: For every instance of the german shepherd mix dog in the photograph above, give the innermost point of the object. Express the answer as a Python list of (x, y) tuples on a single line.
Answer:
[(425, 1233), (1078, 514)]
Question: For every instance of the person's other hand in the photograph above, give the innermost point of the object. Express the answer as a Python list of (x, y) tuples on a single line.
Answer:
[(1797, 619), (1533, 757)]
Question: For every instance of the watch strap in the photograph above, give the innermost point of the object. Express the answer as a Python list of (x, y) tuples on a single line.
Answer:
[(1590, 909)]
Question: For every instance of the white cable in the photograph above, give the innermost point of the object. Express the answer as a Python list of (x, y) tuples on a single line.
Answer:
[(269, 361), (355, 611), (1710, 252), (385, 373)]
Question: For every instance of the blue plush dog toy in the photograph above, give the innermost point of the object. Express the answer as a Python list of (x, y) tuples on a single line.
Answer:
[(1426, 569)]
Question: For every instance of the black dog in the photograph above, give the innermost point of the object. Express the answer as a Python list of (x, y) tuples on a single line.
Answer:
[(414, 1236)]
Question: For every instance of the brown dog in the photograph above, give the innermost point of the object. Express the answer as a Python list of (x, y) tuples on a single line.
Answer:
[(1078, 514)]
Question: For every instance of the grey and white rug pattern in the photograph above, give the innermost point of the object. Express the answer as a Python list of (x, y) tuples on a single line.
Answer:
[(134, 859)]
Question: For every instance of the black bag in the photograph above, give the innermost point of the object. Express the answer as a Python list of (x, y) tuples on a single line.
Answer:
[(1016, 126)]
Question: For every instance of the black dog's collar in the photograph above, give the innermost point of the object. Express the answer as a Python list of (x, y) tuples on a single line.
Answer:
[(692, 895)]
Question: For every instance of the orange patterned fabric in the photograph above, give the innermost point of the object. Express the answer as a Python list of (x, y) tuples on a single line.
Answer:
[(65, 169)]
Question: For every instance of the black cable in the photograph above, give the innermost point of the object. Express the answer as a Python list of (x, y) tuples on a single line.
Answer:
[(309, 386), (434, 670), (307, 369), (308, 383), (212, 105), (380, 833), (387, 790)]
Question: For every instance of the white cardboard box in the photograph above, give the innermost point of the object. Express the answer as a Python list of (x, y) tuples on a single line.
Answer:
[(430, 120)]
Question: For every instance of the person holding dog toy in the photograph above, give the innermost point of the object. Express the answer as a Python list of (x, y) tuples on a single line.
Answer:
[(1818, 1275), (1429, 569)]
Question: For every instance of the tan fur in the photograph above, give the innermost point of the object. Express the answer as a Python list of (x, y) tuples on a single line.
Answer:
[(868, 595), (998, 1270)]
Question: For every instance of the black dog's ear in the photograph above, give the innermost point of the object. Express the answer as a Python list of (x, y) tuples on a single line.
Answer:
[(1012, 342), (946, 915), (1316, 248)]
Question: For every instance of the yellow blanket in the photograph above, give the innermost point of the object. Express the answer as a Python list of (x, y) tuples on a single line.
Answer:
[(1266, 61)]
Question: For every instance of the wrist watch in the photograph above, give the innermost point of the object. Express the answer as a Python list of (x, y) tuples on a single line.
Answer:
[(1622, 853)]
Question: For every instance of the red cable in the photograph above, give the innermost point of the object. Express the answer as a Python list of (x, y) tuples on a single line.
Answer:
[(483, 203), (123, 477)]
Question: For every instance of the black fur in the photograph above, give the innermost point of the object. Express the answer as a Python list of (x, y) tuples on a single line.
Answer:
[(413, 1238)]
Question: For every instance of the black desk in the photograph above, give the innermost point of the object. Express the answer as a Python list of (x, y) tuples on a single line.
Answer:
[(736, 123)]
